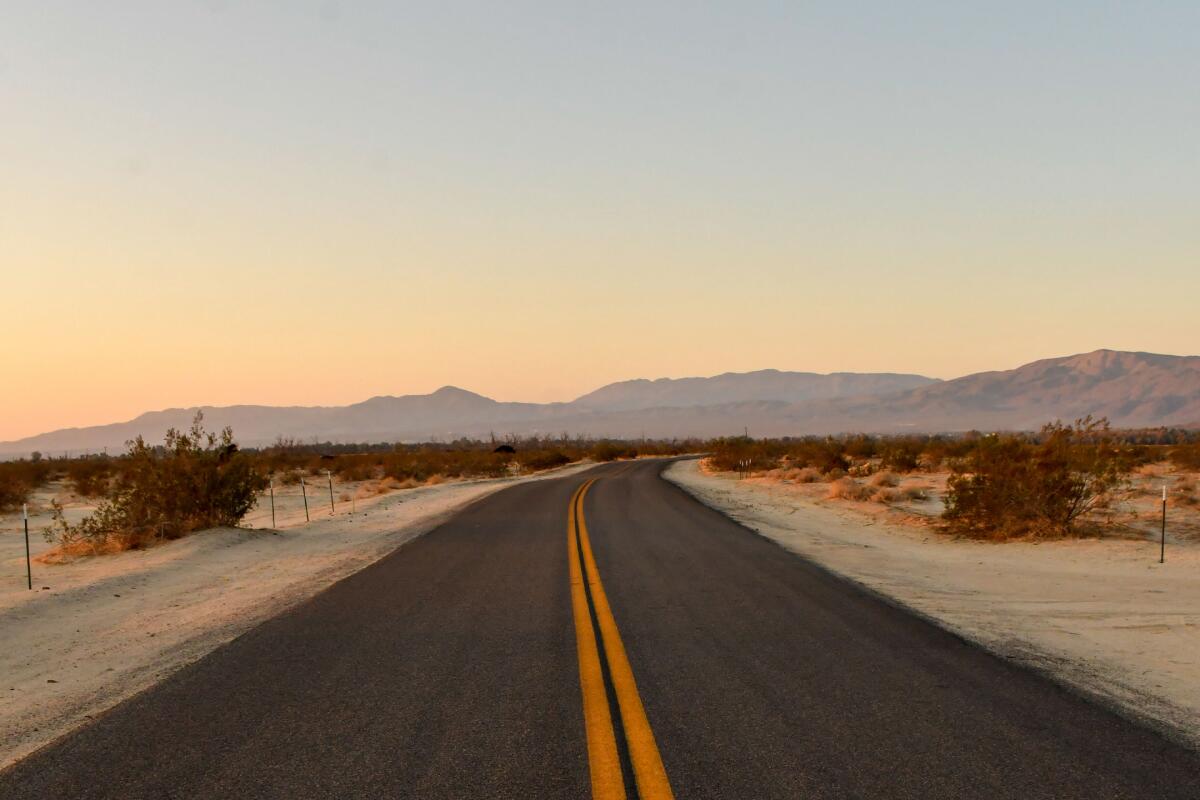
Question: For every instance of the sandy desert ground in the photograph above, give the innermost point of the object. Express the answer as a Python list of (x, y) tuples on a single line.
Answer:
[(97, 630), (1100, 615)]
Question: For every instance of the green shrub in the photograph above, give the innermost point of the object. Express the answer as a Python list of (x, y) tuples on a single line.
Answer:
[(1015, 485), (195, 480)]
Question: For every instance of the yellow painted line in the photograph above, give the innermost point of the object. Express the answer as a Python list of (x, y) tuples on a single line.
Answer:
[(603, 761), (648, 769)]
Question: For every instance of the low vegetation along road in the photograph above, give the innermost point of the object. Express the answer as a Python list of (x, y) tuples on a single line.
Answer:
[(603, 635)]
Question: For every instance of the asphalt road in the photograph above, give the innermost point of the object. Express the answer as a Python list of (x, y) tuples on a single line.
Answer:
[(459, 667)]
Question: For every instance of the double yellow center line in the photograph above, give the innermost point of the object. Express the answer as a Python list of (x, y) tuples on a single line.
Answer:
[(588, 598)]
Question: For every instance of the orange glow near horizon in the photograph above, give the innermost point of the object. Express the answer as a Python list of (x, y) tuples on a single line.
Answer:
[(239, 205)]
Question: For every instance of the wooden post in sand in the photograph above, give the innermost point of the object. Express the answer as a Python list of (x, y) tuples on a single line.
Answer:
[(28, 566), (304, 494), (272, 501)]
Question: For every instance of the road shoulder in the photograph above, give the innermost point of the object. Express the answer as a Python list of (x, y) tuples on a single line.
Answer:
[(108, 627), (1102, 617)]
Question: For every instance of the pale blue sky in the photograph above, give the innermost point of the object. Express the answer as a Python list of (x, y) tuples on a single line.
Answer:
[(530, 200)]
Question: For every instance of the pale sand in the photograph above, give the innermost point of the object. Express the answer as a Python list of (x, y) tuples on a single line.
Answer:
[(108, 627), (1102, 616)]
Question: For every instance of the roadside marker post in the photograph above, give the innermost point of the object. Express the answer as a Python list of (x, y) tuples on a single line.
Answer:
[(304, 494), (1162, 542), (329, 476), (28, 565), (272, 501)]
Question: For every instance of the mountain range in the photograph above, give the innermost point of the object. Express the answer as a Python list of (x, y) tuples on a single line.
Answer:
[(1132, 389)]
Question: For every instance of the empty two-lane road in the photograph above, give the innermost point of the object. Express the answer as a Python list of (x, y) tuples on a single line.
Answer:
[(602, 635)]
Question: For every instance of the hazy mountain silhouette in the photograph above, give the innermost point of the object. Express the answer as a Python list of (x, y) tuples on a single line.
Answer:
[(740, 387), (1131, 389)]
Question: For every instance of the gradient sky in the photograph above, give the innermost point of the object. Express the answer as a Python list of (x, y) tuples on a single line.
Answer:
[(314, 203)]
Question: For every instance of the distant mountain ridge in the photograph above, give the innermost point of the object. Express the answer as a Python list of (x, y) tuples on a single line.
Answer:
[(1132, 389), (738, 387)]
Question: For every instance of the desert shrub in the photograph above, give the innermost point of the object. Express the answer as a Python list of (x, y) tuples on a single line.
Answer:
[(826, 455), (19, 478), (1186, 457), (860, 446), (611, 451), (939, 450), (901, 454), (931, 461), (915, 492), (533, 460), (13, 490), (742, 453), (358, 467), (195, 480), (91, 475), (1014, 485), (848, 489), (424, 462)]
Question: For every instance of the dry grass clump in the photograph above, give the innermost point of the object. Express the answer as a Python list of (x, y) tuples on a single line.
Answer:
[(66, 552), (848, 489), (382, 486), (1183, 493), (887, 496), (794, 475), (917, 492), (1188, 500), (885, 478)]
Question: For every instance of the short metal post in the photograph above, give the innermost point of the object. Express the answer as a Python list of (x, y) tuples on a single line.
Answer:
[(272, 501), (28, 565), (304, 494), (329, 475), (1162, 542)]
